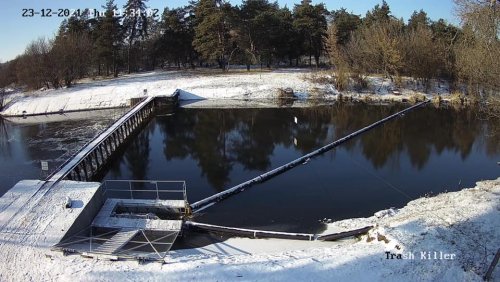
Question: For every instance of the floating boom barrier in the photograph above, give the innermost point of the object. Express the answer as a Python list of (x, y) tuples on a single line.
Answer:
[(251, 233), (209, 201)]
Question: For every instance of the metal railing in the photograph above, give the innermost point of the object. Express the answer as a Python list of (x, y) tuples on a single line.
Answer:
[(145, 189), (103, 136)]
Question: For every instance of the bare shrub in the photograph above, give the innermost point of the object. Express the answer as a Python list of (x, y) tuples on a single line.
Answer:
[(423, 55), (478, 52), (416, 98), (377, 49), (32, 65), (338, 59)]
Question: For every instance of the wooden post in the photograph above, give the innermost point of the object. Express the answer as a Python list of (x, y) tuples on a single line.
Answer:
[(120, 134), (125, 125), (124, 133)]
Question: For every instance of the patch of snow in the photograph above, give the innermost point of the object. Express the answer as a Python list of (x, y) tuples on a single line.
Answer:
[(203, 85), (117, 92), (449, 237), (384, 213)]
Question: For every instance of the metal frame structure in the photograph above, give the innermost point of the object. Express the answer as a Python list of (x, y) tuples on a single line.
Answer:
[(94, 241), (107, 187), (85, 163), (88, 242)]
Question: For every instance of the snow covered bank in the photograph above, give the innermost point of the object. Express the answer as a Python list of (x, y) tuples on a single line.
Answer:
[(203, 85), (195, 85), (458, 233)]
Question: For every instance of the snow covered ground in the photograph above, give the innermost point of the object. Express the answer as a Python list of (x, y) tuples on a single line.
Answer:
[(200, 85), (117, 92), (449, 237)]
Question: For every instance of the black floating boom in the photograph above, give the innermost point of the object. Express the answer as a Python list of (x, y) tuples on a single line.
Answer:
[(207, 202), (251, 233)]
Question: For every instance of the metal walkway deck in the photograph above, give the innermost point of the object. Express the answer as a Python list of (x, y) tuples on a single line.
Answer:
[(116, 242)]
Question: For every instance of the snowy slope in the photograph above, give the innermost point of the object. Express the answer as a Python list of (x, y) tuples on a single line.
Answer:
[(117, 92), (218, 88), (464, 224)]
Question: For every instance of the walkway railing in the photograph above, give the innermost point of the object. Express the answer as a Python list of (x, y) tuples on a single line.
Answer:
[(88, 160), (145, 189)]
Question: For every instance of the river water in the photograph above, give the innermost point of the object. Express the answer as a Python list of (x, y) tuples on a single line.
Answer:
[(426, 152), (25, 142)]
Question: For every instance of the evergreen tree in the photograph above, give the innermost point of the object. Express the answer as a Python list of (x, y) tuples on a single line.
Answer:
[(418, 19), (109, 38), (288, 40), (77, 24), (212, 38), (345, 24), (310, 22), (178, 32), (378, 14), (135, 24), (258, 24)]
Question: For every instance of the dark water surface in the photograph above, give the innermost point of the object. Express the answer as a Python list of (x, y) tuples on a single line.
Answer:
[(24, 143), (428, 151)]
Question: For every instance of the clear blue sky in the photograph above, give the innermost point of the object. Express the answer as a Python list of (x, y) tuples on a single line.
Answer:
[(17, 31)]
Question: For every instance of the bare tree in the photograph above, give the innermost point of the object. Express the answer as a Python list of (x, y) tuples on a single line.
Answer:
[(72, 56), (338, 58), (479, 49), (423, 56), (377, 48), (32, 67)]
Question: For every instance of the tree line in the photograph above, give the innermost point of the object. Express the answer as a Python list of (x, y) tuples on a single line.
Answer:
[(421, 48), (260, 32)]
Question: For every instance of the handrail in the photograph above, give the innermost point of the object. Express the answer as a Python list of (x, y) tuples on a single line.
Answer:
[(158, 191), (117, 124)]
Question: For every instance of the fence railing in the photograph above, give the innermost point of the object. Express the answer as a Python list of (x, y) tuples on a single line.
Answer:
[(145, 189)]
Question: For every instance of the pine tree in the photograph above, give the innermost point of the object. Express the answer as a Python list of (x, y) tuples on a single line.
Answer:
[(310, 22), (178, 31), (288, 38), (135, 24), (378, 14), (212, 39), (109, 38), (418, 19), (258, 25), (345, 24)]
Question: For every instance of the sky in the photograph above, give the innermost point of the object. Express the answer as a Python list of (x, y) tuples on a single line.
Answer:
[(17, 31)]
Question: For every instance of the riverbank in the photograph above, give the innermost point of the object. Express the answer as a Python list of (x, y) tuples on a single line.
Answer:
[(449, 237), (204, 85)]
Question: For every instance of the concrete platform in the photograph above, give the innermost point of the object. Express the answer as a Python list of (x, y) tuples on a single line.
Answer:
[(40, 219), (107, 218)]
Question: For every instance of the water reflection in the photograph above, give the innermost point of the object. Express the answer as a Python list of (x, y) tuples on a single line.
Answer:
[(137, 156), (24, 142), (213, 149), (5, 150), (218, 139)]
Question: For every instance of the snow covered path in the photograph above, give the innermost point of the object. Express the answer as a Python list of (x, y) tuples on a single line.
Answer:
[(458, 233)]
